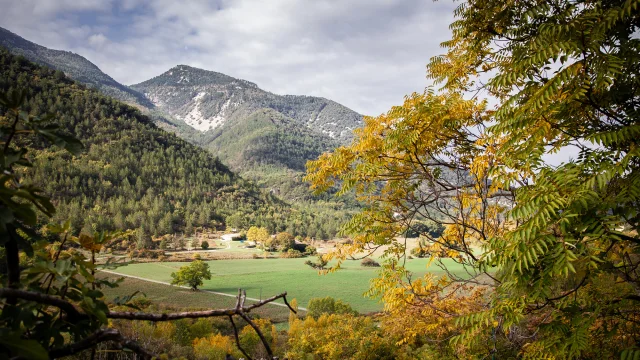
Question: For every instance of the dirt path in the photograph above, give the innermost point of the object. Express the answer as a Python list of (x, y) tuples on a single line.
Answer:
[(186, 287)]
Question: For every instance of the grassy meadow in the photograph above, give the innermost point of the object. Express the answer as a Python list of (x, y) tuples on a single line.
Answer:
[(262, 278)]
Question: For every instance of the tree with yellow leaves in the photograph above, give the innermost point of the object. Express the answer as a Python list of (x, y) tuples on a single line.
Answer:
[(550, 252)]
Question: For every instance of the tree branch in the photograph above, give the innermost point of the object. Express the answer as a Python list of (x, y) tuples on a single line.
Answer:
[(255, 327), (103, 335), (235, 333), (71, 311)]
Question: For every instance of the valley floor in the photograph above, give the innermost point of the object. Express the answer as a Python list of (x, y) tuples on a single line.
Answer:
[(262, 278)]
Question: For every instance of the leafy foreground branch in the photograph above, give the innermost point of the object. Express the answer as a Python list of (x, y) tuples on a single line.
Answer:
[(113, 335)]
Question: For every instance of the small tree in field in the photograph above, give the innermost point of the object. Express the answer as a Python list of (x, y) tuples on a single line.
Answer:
[(192, 275), (205, 245), (283, 241)]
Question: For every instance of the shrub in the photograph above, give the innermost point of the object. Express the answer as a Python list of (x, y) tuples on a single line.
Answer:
[(291, 254), (197, 256), (317, 265), (328, 305), (340, 337), (369, 262), (283, 241), (205, 245), (419, 252), (422, 228), (215, 347), (201, 328), (424, 249), (310, 251), (256, 256), (251, 342), (146, 254)]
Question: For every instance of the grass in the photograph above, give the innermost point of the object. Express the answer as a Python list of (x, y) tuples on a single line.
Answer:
[(180, 298), (262, 278)]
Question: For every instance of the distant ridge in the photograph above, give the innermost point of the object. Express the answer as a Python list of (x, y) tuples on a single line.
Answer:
[(206, 100), (74, 66)]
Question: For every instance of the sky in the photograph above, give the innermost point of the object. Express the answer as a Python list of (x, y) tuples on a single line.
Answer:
[(364, 54)]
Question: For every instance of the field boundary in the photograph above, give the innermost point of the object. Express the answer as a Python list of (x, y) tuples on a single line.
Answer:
[(186, 287)]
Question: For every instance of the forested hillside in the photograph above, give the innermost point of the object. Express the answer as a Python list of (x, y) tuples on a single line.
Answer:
[(267, 137), (213, 110), (134, 175), (73, 65)]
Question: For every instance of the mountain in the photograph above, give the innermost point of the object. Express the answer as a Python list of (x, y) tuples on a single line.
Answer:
[(134, 175), (265, 137), (74, 66), (262, 136), (206, 100), (268, 138)]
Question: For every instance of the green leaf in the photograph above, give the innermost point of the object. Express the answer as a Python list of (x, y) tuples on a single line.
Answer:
[(27, 349)]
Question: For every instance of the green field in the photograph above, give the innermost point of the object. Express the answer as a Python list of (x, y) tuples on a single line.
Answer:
[(179, 298), (262, 278)]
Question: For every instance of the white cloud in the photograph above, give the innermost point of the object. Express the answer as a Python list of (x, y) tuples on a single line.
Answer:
[(365, 54), (97, 40)]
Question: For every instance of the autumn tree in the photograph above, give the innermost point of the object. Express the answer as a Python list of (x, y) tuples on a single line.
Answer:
[(549, 252), (192, 274), (258, 234), (328, 305), (178, 241), (283, 241)]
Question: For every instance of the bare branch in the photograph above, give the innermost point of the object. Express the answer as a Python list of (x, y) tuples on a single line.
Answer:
[(235, 333), (255, 327), (273, 298), (129, 315), (74, 314)]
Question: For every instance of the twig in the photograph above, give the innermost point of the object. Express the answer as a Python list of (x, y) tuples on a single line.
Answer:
[(235, 332), (255, 327)]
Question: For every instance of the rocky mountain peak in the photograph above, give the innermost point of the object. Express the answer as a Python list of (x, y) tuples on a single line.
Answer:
[(206, 100)]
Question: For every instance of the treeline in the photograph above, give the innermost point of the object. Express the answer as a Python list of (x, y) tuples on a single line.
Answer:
[(132, 174)]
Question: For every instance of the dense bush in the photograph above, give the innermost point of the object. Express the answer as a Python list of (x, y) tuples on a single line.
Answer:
[(336, 337), (291, 254), (310, 251), (205, 245), (426, 228), (369, 262), (146, 254), (283, 241), (328, 305)]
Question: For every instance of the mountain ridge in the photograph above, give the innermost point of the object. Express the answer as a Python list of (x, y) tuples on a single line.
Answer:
[(73, 65), (206, 100), (282, 132)]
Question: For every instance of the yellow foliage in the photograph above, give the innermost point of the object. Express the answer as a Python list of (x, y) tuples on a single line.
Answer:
[(338, 337), (213, 347)]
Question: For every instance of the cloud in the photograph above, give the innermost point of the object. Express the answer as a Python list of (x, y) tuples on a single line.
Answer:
[(365, 54), (97, 40)]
